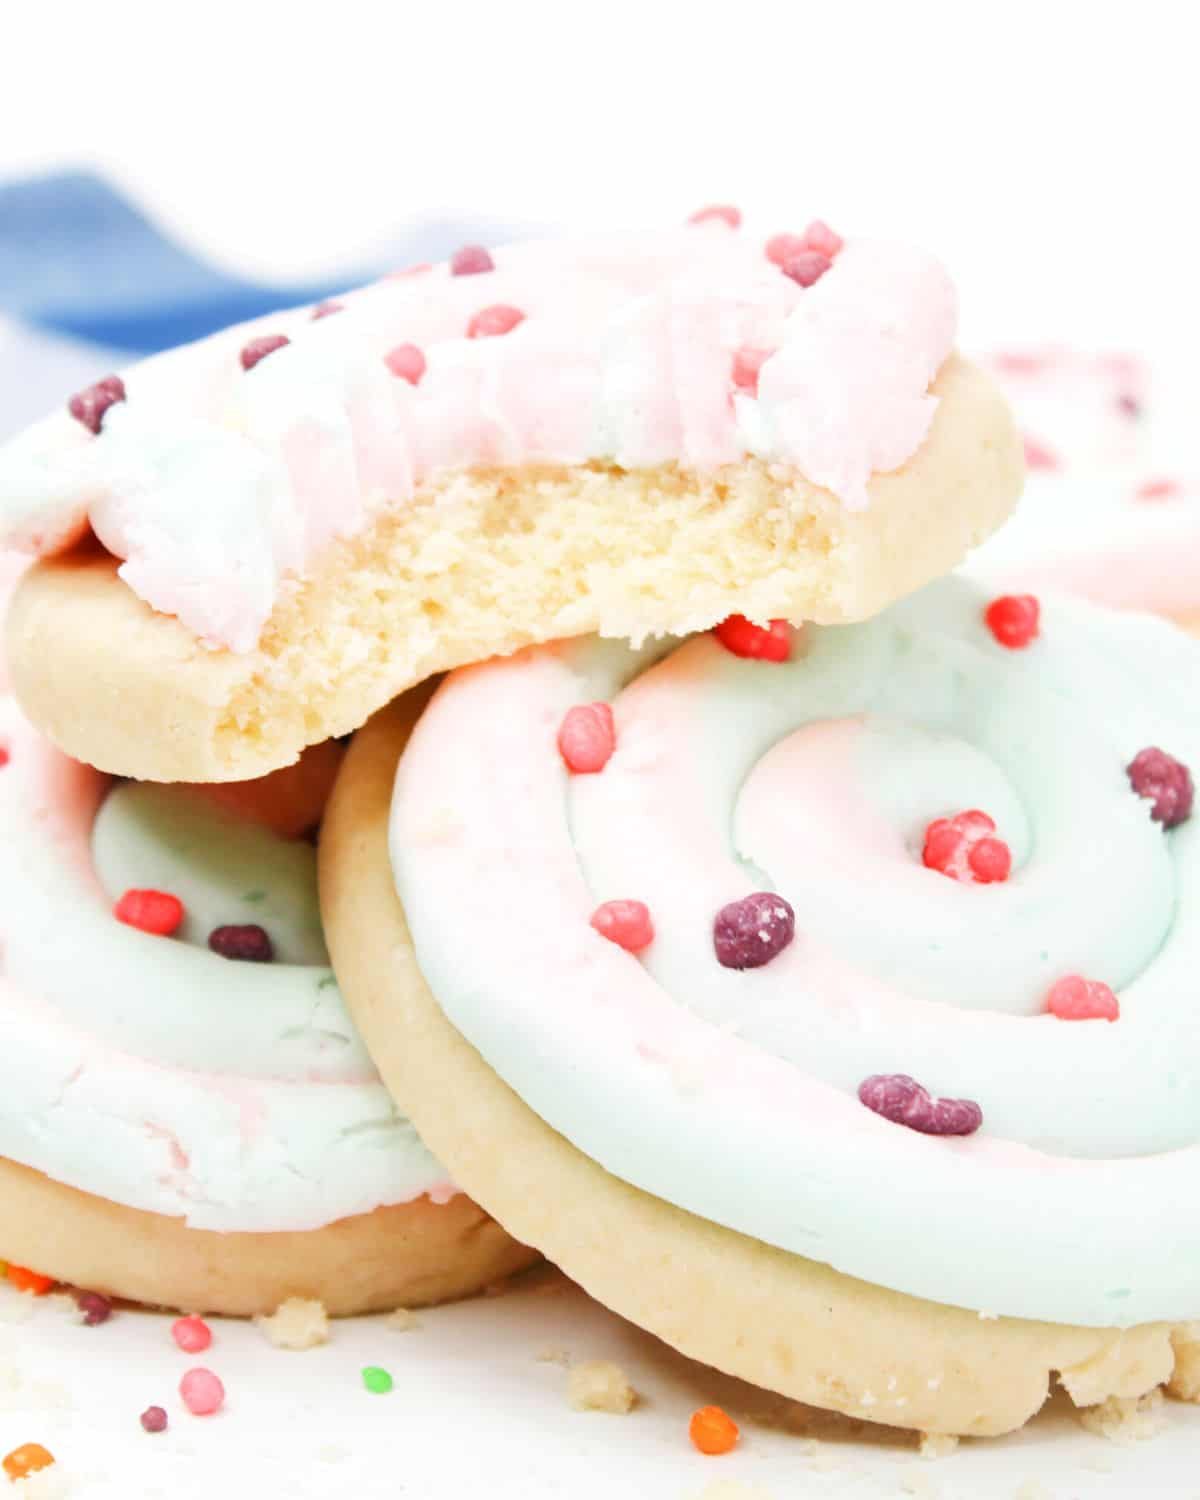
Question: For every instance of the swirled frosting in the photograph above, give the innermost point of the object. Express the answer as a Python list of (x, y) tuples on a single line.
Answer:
[(733, 1094), (149, 1070), (215, 482)]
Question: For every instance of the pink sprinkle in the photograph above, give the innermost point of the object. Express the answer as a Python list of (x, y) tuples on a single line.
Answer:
[(406, 361), (963, 848), (1158, 489), (192, 1334), (470, 261), (723, 213), (1128, 405), (154, 1419), (807, 268), (1019, 362), (202, 1392), (746, 364), (492, 321), (1163, 781), (1077, 999), (1038, 456), (818, 236), (587, 737), (901, 1099), (626, 923), (258, 349), (784, 247), (325, 310), (90, 406)]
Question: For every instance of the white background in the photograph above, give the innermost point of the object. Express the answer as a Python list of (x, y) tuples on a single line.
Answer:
[(1047, 151)]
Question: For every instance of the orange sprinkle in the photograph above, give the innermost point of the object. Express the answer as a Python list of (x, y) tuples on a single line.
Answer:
[(712, 1430), (26, 1280), (26, 1460)]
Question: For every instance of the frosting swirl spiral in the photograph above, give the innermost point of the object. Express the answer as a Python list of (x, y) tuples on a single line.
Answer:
[(733, 1092)]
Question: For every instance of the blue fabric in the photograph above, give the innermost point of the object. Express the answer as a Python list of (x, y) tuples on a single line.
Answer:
[(79, 260)]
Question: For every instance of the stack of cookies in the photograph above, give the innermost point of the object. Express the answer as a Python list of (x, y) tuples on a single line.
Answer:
[(773, 929)]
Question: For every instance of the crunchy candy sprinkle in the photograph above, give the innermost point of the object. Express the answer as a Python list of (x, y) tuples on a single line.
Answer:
[(377, 1380), (742, 638), (471, 260), (626, 923), (325, 310), (746, 364), (154, 1419), (407, 362), (258, 349), (1077, 999), (1158, 489), (202, 1392), (713, 1431), (818, 236), (192, 1334), (491, 322), (155, 912), (246, 942), (1164, 781), (901, 1099), (587, 737), (1013, 619), (807, 268), (29, 1458), (95, 1307), (963, 848), (1038, 456), (751, 932), (718, 213), (26, 1280), (89, 406), (5, 756)]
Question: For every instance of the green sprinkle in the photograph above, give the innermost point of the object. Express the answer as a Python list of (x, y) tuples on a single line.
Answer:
[(255, 896), (377, 1381), (327, 982)]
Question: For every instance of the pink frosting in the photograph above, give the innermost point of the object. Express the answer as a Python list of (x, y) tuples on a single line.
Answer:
[(214, 483)]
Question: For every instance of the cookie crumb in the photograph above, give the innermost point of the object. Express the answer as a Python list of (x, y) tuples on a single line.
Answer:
[(401, 1321), (1125, 1419), (600, 1385), (936, 1444), (297, 1323), (1184, 1384)]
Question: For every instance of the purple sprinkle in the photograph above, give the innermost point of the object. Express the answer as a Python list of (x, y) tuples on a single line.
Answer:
[(259, 348), (325, 310), (95, 1307), (901, 1099), (470, 261), (154, 1419), (249, 943), (807, 268), (89, 406), (1164, 781), (751, 932)]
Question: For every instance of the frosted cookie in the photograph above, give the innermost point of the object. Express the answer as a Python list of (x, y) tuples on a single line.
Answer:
[(1111, 509), (830, 991), (254, 542), (188, 1117)]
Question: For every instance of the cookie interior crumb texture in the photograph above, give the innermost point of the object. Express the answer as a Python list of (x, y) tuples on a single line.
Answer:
[(298, 1323), (1126, 1419), (600, 1385)]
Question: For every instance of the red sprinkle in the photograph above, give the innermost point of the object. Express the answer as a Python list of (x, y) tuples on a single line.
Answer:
[(89, 406), (1077, 999), (723, 213), (963, 848), (742, 638), (807, 268), (901, 1099), (1038, 456), (1164, 781), (1158, 489), (192, 1334), (587, 737), (492, 321), (154, 1419), (157, 912), (406, 361), (626, 923), (258, 349), (95, 1307), (249, 943), (746, 364), (5, 757), (202, 1392), (325, 310), (470, 261), (1013, 620)]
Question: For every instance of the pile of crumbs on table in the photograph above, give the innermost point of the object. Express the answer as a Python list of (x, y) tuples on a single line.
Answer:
[(1126, 1419)]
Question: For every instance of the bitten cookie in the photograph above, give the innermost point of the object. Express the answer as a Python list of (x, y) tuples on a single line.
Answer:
[(188, 1116), (296, 520), (833, 988)]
